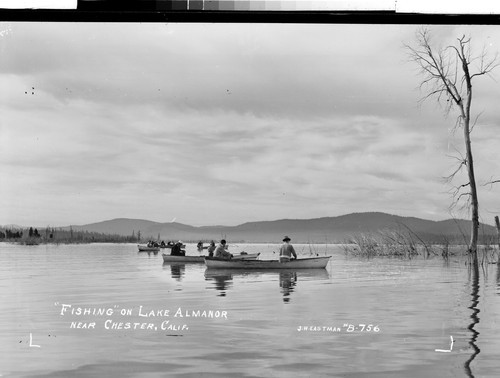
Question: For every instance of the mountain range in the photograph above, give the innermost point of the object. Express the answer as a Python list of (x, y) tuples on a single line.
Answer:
[(319, 230)]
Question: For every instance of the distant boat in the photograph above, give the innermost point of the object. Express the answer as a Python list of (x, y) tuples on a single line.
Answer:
[(201, 259), (145, 248), (306, 263)]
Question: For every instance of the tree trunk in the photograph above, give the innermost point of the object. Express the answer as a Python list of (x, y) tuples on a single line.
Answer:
[(473, 194), (497, 222), (470, 163)]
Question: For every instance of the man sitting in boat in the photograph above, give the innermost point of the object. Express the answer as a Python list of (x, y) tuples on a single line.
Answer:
[(287, 250), (220, 251), (177, 249), (211, 249)]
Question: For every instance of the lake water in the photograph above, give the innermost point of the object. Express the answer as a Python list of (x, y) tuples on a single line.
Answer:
[(106, 310)]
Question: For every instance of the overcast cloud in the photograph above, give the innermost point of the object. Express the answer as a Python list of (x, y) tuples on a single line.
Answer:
[(229, 123)]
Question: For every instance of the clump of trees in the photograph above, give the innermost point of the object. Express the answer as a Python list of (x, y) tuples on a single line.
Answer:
[(10, 234), (33, 236)]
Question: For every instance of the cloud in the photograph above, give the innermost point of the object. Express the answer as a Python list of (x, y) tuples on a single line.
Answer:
[(221, 124)]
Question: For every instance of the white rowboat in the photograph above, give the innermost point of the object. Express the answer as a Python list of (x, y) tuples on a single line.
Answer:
[(201, 259), (305, 263)]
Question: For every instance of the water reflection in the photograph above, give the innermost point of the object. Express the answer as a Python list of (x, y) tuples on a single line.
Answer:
[(287, 278), (474, 278), (154, 253), (177, 270), (222, 279), (498, 279)]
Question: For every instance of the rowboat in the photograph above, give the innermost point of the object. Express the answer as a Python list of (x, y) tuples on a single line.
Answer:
[(145, 248), (182, 259), (305, 263), (201, 259)]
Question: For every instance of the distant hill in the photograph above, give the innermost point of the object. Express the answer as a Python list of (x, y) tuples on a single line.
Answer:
[(319, 230)]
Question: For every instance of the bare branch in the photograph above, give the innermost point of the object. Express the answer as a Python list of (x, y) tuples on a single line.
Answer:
[(491, 182), (463, 163), (439, 72), (457, 200), (486, 66), (457, 195), (475, 121), (458, 122)]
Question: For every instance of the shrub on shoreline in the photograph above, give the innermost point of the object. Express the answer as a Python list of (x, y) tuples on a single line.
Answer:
[(387, 243)]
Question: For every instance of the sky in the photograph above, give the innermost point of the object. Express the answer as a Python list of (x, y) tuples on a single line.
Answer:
[(222, 124)]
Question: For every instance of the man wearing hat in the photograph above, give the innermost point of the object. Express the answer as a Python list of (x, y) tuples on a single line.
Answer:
[(177, 249), (287, 250)]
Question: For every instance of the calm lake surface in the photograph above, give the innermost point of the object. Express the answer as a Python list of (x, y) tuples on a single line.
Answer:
[(71, 310)]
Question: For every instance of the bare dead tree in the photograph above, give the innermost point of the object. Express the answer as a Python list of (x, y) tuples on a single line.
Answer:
[(447, 75)]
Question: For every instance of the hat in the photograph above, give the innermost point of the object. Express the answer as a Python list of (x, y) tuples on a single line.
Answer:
[(180, 241), (286, 238)]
